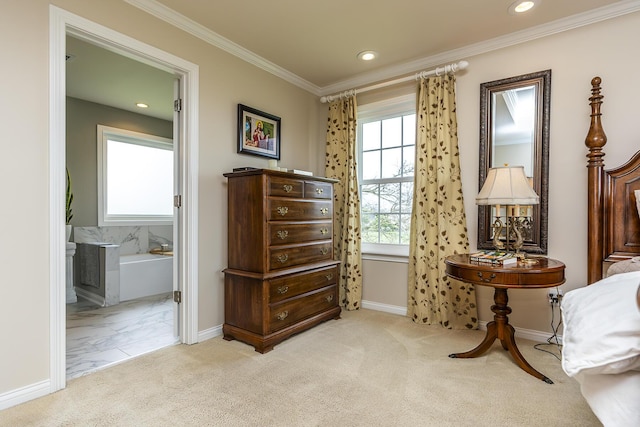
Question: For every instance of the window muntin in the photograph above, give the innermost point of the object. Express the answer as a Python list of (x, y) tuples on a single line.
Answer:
[(386, 141), (135, 178)]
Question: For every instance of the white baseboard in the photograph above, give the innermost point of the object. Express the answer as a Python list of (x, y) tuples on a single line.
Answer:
[(90, 296), (529, 334), (210, 333), (24, 394), (393, 309)]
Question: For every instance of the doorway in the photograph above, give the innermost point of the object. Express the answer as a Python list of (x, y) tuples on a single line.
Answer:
[(133, 175), (186, 124)]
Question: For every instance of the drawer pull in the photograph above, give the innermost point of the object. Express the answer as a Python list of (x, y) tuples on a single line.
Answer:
[(324, 211), (282, 315), (324, 251), (287, 188), (329, 276), (283, 289), (282, 234), (483, 279), (282, 210), (324, 231), (283, 258), (319, 190), (329, 298)]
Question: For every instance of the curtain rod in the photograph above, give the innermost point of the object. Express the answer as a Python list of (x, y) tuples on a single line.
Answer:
[(451, 68)]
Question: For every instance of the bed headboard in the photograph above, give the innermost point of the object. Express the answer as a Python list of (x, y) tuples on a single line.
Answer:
[(614, 221)]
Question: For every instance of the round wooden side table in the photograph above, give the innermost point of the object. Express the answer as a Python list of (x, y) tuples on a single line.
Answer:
[(543, 273)]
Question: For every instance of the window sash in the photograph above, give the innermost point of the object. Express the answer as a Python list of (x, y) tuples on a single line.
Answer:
[(385, 110), (152, 178)]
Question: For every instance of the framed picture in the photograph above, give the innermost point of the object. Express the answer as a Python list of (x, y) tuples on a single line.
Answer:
[(258, 133)]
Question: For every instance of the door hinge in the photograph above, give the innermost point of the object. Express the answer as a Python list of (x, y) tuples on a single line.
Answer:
[(177, 105), (177, 296), (177, 201)]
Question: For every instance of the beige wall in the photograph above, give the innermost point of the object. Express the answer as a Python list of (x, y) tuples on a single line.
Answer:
[(224, 82), (605, 49)]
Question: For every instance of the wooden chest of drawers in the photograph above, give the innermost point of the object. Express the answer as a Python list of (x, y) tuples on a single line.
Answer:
[(281, 277)]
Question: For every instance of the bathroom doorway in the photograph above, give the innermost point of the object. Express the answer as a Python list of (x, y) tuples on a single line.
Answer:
[(63, 23), (113, 320)]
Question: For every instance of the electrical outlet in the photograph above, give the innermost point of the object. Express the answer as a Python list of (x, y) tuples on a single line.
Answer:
[(555, 296)]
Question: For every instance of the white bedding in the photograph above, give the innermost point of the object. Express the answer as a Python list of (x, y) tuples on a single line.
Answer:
[(601, 346)]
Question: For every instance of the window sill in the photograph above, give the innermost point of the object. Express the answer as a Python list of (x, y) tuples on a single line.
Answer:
[(388, 253), (402, 259)]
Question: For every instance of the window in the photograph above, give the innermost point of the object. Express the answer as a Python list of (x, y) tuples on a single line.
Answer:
[(135, 178), (386, 146)]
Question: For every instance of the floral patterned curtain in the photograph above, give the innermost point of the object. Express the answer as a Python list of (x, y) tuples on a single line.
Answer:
[(438, 223), (341, 165)]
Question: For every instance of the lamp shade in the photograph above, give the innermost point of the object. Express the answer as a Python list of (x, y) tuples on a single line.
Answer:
[(507, 186)]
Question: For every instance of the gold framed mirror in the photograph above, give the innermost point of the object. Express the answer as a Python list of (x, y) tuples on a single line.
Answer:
[(514, 130)]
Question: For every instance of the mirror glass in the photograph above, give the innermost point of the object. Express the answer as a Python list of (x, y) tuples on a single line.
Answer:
[(514, 131)]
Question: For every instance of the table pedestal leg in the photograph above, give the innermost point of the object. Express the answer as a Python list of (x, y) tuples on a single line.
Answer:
[(501, 329)]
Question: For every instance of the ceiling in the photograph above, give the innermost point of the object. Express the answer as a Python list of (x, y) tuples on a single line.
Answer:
[(314, 44)]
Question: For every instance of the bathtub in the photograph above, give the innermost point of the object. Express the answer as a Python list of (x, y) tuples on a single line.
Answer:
[(143, 275)]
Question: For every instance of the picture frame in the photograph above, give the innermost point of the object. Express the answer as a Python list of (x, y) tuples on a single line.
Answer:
[(258, 133)]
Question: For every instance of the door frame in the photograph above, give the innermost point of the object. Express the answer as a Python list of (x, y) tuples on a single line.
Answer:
[(62, 23)]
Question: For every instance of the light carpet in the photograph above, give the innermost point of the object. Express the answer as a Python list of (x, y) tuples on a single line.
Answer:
[(367, 369)]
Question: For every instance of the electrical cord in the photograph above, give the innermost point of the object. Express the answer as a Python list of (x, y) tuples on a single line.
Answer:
[(553, 337)]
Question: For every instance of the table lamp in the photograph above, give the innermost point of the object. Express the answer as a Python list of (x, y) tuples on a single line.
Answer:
[(507, 186)]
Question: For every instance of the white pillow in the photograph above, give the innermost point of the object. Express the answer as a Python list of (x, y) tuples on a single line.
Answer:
[(602, 326), (637, 193)]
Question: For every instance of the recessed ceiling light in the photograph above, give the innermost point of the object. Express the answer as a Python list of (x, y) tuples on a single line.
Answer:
[(520, 6), (367, 55), (142, 105)]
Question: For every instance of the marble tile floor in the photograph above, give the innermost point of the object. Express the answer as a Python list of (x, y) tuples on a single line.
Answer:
[(101, 336)]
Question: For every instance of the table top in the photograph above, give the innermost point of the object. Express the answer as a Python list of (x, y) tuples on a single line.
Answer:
[(544, 273)]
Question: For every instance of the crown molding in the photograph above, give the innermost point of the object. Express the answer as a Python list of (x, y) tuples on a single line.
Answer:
[(172, 17), (576, 21), (582, 19)]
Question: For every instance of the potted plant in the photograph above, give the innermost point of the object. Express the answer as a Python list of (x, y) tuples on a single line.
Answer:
[(68, 211)]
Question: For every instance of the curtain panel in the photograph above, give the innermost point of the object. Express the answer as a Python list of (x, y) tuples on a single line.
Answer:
[(340, 164), (438, 222)]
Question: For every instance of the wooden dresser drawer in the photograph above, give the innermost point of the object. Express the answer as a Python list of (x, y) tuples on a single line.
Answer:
[(282, 257), (481, 277), (297, 284), (287, 210), (284, 233), (317, 190), (285, 187), (295, 309)]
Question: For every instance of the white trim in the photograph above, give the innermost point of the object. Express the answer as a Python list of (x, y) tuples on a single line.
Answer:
[(367, 256), (385, 249), (62, 22), (207, 334), (24, 394), (104, 135), (397, 105), (528, 334), (174, 18), (188, 223), (587, 18), (57, 245), (386, 308)]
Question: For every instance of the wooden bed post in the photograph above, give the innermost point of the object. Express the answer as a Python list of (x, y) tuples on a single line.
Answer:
[(595, 141)]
